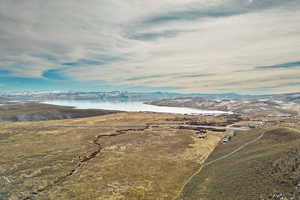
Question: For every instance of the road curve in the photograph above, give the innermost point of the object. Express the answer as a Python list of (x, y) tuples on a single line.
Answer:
[(235, 151), (218, 159)]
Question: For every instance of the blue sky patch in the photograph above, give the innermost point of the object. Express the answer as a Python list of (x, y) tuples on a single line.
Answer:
[(157, 35), (281, 66), (224, 10), (84, 62), (101, 61), (191, 15), (4, 72), (54, 74), (18, 84)]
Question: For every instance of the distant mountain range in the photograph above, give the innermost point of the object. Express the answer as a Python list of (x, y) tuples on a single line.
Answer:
[(137, 96)]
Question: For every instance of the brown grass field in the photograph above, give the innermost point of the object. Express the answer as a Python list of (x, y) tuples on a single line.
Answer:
[(145, 162)]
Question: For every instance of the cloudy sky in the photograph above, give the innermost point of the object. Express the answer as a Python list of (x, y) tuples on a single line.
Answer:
[(203, 46)]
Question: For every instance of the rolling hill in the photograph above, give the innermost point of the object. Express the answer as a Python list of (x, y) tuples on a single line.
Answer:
[(42, 112), (266, 169)]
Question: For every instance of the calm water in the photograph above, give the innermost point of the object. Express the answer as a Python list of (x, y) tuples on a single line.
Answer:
[(130, 107)]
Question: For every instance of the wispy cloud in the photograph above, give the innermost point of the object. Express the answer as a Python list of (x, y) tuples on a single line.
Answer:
[(195, 75), (217, 9), (188, 46)]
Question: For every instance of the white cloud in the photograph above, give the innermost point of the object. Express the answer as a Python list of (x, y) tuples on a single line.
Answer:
[(166, 41)]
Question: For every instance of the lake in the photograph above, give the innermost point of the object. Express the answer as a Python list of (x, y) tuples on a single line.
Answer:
[(131, 107)]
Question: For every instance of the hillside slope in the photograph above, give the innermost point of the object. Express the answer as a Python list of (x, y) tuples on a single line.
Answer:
[(266, 169), (255, 107), (42, 112)]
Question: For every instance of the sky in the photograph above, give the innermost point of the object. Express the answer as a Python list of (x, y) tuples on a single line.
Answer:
[(187, 46)]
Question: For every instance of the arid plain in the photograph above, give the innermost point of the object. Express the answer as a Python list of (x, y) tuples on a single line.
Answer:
[(115, 156)]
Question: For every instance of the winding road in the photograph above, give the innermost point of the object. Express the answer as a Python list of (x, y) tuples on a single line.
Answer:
[(235, 151), (218, 159)]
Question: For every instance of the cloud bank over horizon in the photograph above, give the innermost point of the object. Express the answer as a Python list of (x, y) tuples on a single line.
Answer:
[(191, 46)]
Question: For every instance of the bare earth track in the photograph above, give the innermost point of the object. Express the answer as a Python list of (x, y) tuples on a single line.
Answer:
[(218, 159), (235, 151)]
